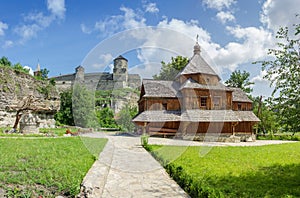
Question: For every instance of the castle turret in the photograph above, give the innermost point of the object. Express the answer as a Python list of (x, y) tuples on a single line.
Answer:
[(79, 74), (120, 72)]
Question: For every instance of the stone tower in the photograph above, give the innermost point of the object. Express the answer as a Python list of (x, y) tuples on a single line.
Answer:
[(79, 74), (120, 72)]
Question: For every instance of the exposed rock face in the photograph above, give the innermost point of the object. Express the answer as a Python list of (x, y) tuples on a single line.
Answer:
[(15, 86)]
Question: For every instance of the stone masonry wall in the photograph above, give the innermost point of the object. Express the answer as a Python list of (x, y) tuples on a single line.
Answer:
[(14, 86)]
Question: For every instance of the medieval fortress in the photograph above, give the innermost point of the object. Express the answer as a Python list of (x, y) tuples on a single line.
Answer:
[(120, 78)]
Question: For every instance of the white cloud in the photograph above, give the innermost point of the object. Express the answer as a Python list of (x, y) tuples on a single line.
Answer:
[(38, 21), (3, 27), (260, 77), (8, 44), (225, 17), (128, 20), (219, 4), (57, 7), (276, 13), (27, 31), (105, 59), (253, 46), (151, 7), (131, 19), (85, 29)]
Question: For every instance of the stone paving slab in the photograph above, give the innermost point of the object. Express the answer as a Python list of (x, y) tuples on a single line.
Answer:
[(126, 169)]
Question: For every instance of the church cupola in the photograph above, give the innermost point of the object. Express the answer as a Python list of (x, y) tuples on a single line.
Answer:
[(197, 48)]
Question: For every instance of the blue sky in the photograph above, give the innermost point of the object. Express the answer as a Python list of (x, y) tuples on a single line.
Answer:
[(64, 34)]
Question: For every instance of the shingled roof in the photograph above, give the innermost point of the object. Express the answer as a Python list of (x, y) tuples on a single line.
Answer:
[(197, 65), (158, 116), (192, 84), (160, 88), (238, 95), (198, 115), (247, 116)]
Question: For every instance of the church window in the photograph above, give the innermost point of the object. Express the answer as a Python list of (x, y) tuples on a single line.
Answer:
[(217, 101), (203, 101), (239, 106)]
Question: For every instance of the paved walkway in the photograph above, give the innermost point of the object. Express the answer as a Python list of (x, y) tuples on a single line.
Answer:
[(125, 169)]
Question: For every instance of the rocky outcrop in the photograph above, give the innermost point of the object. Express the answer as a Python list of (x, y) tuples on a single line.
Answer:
[(15, 86)]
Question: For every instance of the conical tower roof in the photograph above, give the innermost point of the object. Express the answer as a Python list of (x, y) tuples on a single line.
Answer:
[(197, 65)]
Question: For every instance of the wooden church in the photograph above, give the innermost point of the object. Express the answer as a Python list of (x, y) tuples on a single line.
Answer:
[(196, 105)]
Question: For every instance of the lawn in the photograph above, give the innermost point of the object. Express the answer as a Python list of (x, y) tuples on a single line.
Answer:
[(263, 171), (30, 167)]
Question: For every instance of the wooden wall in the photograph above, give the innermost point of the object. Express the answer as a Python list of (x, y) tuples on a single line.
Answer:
[(192, 99), (171, 104), (243, 127), (242, 106), (206, 127)]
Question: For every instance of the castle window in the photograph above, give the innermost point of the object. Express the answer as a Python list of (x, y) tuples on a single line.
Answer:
[(203, 101)]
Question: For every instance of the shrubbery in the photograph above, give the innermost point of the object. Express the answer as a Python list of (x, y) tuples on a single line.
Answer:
[(278, 137)]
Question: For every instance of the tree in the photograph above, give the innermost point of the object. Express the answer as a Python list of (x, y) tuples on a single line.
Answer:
[(240, 80), (44, 73), (268, 119), (106, 118), (83, 106), (5, 62), (284, 73), (125, 118), (170, 70), (65, 114)]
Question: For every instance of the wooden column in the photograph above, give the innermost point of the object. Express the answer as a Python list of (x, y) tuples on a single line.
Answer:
[(233, 127)]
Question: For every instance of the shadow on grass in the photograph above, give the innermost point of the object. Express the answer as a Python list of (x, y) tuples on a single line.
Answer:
[(272, 181)]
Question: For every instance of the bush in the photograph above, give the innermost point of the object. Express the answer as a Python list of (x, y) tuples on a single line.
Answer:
[(290, 137)]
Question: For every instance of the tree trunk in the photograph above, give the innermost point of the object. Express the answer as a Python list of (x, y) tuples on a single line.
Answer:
[(17, 120)]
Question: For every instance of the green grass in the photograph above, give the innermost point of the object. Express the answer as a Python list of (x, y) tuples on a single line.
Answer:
[(263, 171), (55, 131), (45, 166)]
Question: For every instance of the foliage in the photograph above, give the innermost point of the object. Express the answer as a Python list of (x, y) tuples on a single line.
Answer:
[(144, 140), (65, 115), (45, 167), (83, 106), (170, 70), (53, 131), (280, 136), (268, 119), (106, 118), (284, 74), (5, 62), (234, 171), (240, 80), (19, 68), (125, 116)]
